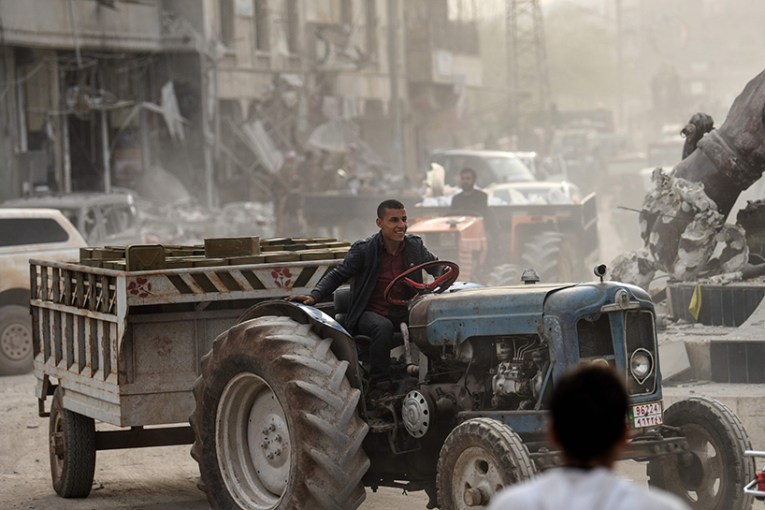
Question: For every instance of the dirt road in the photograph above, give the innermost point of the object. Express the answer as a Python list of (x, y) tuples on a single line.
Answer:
[(137, 479)]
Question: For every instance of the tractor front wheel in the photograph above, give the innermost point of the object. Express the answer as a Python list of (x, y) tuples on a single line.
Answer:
[(276, 424), (713, 473), (480, 457)]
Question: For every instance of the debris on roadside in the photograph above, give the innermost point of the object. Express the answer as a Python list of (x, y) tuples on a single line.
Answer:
[(682, 222)]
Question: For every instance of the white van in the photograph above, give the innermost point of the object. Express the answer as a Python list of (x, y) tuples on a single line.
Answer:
[(24, 234)]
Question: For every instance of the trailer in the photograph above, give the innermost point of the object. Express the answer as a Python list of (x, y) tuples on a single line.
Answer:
[(119, 346)]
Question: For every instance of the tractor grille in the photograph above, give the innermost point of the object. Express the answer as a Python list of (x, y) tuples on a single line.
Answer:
[(595, 337)]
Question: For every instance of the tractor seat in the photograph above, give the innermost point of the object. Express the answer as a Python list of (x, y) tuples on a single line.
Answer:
[(342, 302)]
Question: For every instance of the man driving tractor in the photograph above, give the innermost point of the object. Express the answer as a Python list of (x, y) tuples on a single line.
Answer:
[(371, 265)]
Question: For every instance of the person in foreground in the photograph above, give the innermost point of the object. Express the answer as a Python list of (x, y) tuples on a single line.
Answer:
[(371, 264), (590, 448)]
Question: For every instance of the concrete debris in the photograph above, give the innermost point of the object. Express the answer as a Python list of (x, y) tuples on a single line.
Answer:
[(687, 213), (704, 243), (735, 251), (723, 279), (634, 267)]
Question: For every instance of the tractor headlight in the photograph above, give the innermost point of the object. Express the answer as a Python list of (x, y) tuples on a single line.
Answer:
[(641, 364)]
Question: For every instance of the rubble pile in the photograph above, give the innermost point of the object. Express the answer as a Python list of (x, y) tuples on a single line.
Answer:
[(705, 244), (682, 222)]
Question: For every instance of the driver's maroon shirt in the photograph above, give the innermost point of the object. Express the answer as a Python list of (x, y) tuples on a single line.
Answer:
[(390, 267)]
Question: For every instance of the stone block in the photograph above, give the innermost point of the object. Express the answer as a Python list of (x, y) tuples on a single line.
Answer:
[(222, 247)]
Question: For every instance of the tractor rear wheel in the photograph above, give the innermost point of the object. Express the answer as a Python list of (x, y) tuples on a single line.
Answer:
[(276, 423), (480, 457), (72, 442), (713, 473), (505, 274), (549, 254)]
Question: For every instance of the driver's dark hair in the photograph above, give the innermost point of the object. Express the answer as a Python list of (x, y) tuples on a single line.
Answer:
[(468, 170), (391, 203), (588, 409)]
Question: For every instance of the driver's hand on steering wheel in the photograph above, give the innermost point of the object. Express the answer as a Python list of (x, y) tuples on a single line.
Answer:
[(306, 300)]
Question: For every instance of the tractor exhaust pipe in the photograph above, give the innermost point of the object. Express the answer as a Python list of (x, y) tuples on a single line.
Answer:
[(411, 368)]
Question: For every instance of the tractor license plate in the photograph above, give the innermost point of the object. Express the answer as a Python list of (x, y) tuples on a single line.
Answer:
[(646, 415)]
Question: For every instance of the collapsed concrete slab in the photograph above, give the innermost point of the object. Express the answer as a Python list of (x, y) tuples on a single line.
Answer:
[(683, 220)]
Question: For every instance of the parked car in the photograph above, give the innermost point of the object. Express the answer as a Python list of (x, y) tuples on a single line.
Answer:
[(103, 219), (491, 167), (24, 234)]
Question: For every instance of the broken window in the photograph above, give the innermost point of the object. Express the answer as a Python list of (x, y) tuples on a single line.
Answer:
[(346, 12), (371, 29), (117, 219), (227, 22), (260, 8), (293, 26)]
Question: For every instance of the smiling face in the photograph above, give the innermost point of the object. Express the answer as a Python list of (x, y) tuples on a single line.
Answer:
[(393, 224)]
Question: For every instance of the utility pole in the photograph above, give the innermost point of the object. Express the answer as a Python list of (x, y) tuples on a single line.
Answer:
[(619, 63), (397, 156), (209, 68), (528, 81)]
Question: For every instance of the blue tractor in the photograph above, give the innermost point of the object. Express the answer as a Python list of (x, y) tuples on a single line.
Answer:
[(281, 419)]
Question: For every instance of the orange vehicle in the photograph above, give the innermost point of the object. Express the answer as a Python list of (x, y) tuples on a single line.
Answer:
[(461, 239), (557, 240)]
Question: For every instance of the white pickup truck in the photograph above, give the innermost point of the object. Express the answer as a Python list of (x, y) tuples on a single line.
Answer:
[(24, 234)]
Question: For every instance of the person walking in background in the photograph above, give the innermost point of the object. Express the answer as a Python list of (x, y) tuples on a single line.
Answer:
[(470, 199), (590, 448)]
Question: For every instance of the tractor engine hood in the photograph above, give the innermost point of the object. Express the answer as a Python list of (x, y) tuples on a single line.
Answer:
[(449, 319)]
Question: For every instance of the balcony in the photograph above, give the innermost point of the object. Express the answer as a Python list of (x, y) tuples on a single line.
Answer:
[(88, 24), (444, 53)]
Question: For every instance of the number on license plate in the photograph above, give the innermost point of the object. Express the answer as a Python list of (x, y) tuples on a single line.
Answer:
[(647, 415)]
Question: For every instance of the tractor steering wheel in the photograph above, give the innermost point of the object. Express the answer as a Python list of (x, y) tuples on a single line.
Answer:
[(437, 286)]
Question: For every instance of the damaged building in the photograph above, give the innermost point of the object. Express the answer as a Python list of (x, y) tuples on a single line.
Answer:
[(97, 92), (214, 94)]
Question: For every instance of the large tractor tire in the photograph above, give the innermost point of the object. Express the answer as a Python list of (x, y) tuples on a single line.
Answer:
[(505, 274), (72, 440), (15, 340), (276, 424), (712, 475), (549, 254), (479, 458)]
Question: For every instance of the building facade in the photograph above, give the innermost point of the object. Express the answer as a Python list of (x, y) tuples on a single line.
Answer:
[(101, 94)]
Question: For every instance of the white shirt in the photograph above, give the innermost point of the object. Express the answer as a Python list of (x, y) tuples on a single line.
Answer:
[(577, 489)]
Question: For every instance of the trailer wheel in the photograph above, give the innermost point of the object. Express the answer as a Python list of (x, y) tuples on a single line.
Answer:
[(712, 475), (15, 340), (480, 457), (72, 439), (276, 423), (551, 257)]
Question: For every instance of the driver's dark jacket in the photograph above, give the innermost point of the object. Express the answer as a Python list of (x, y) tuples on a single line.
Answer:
[(361, 266)]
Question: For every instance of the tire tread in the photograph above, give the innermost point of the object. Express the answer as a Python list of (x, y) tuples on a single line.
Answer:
[(330, 432)]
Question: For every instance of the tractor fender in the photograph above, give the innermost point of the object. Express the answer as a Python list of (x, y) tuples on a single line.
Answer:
[(342, 342)]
